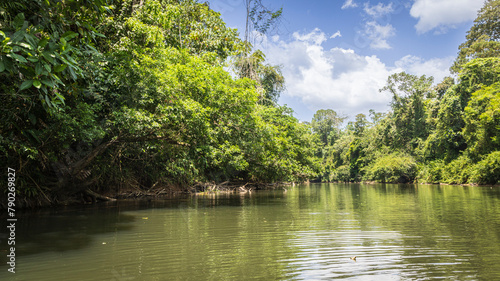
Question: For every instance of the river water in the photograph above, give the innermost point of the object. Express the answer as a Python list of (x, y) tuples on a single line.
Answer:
[(308, 232)]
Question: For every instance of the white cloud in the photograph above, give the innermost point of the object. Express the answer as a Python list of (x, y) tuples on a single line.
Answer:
[(378, 34), (349, 4), (336, 34), (437, 67), (316, 36), (378, 10), (339, 78), (443, 14), (374, 30), (336, 78)]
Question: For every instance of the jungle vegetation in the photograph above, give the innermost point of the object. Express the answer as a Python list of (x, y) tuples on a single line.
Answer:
[(443, 133), (104, 95)]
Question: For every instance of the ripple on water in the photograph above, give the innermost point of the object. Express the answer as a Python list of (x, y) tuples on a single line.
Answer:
[(380, 255)]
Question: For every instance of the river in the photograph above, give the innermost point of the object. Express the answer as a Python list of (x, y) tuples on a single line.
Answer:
[(307, 232)]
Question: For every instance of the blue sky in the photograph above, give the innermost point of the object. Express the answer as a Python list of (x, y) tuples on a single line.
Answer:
[(336, 54)]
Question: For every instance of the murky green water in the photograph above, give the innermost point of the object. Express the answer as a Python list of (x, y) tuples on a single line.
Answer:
[(306, 233)]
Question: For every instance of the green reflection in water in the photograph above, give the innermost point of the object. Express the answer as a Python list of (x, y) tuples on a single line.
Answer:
[(397, 232)]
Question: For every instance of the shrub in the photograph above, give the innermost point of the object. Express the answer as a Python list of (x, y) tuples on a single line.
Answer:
[(342, 173), (431, 172), (393, 168), (487, 171), (457, 171)]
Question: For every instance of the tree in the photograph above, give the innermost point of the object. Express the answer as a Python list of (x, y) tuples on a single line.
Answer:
[(135, 95), (326, 123), (482, 39), (408, 109), (360, 124), (443, 86), (270, 81), (248, 64), (482, 121), (259, 18)]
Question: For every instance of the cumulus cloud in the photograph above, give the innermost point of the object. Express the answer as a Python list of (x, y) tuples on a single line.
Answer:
[(437, 67), (339, 78), (349, 4), (334, 78), (443, 14)]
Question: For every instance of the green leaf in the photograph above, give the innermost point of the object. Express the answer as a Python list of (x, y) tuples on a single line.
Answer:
[(60, 68), (8, 63), (72, 73), (26, 84), (43, 42), (5, 41), (33, 135), (38, 69), (37, 84), (48, 57), (32, 59), (24, 45), (17, 57), (2, 66), (18, 21), (48, 83), (60, 97), (48, 101), (68, 35), (18, 36), (47, 67), (70, 59)]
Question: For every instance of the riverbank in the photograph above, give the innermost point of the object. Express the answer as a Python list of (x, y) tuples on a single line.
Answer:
[(89, 196), (168, 191)]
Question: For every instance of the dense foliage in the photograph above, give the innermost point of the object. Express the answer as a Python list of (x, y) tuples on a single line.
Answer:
[(448, 133), (102, 94), (97, 95)]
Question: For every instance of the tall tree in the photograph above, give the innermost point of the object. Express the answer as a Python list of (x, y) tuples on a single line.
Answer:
[(483, 38), (408, 109), (326, 123), (250, 64)]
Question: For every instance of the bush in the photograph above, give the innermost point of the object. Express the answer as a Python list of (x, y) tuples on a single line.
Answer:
[(431, 172), (342, 173), (457, 171), (487, 171), (395, 168)]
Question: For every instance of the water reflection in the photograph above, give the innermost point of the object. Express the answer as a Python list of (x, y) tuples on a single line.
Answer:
[(397, 232)]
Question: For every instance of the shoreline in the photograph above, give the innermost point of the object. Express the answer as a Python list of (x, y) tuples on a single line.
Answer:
[(89, 197)]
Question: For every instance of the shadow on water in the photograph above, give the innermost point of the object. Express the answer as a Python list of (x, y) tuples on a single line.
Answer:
[(68, 228)]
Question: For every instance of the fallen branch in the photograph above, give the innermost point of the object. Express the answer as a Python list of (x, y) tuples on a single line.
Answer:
[(99, 196)]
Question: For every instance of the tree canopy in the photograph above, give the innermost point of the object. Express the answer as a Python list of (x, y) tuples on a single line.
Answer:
[(104, 95)]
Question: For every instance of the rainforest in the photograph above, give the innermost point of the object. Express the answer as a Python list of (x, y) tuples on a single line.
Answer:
[(101, 98)]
